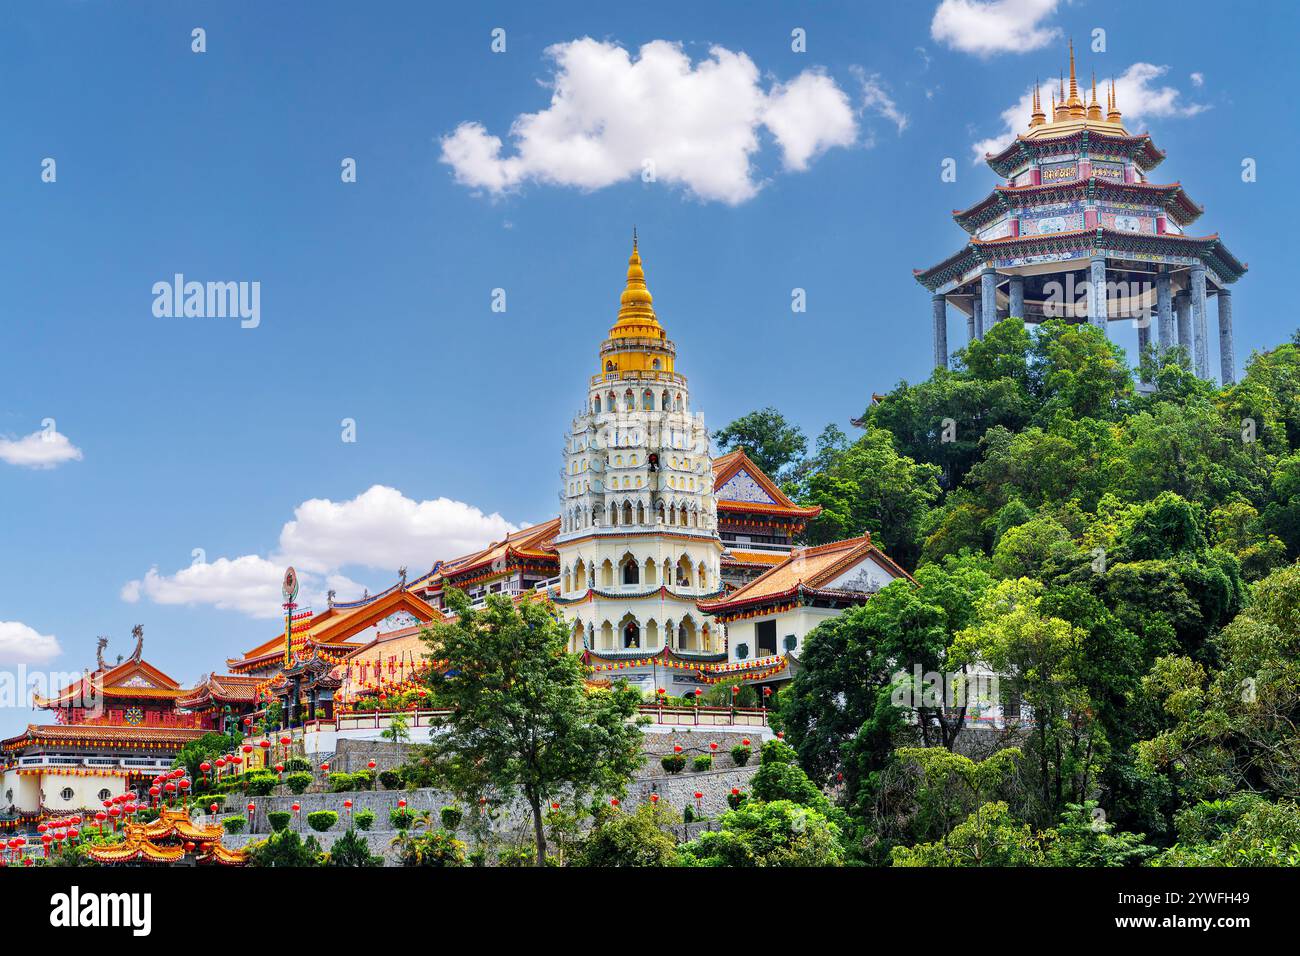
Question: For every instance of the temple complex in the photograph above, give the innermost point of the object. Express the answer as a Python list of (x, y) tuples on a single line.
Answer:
[(113, 729), (1078, 232)]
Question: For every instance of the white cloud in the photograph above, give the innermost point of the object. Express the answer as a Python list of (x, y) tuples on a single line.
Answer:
[(1137, 91), (876, 98), (1198, 79), (988, 27), (697, 123), (379, 529), (21, 644), (42, 449)]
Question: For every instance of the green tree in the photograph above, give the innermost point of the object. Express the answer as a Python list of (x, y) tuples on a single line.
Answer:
[(639, 838), (771, 442), (781, 833), (522, 719), (1085, 837), (352, 849), (990, 836), (285, 848)]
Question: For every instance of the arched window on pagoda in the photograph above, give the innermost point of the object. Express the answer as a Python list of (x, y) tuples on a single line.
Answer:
[(595, 405), (631, 632), (659, 510), (609, 366), (686, 635), (648, 400), (651, 634), (665, 401), (627, 512), (607, 574), (607, 636), (640, 511), (629, 401), (684, 572), (630, 570), (677, 404), (651, 572)]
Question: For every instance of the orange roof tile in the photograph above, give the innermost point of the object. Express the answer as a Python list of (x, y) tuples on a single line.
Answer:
[(726, 467)]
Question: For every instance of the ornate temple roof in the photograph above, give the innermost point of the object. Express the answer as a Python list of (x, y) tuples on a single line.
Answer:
[(219, 689), (132, 679), (979, 252), (741, 486), (1170, 196), (806, 572), (140, 843), (140, 737), (330, 631)]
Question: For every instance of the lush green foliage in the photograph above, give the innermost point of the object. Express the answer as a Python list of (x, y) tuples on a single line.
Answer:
[(322, 820), (352, 849)]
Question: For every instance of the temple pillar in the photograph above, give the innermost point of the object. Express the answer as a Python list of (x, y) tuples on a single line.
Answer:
[(939, 311), (1227, 354), (1199, 325), (1183, 309), (976, 320), (1144, 339), (988, 299), (1097, 292), (1165, 311), (1018, 296)]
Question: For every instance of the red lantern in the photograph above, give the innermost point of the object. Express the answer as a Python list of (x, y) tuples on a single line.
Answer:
[(297, 807), (734, 690), (654, 798), (713, 746), (185, 784), (699, 795), (555, 806), (325, 768), (265, 744), (212, 809), (767, 692), (189, 846), (347, 804), (745, 741), (285, 741), (371, 765), (401, 804), (251, 808), (614, 802), (279, 768), (677, 748), (248, 721), (205, 766), (247, 748)]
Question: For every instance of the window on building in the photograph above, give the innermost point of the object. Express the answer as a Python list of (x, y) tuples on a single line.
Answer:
[(66, 793), (765, 633), (104, 795)]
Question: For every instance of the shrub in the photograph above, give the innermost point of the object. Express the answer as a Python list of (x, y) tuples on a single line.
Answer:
[(451, 817), (438, 848), (234, 824), (364, 819), (740, 755), (285, 848), (478, 858), (259, 784), (401, 818), (279, 819), (702, 762), (768, 834), (203, 803), (322, 820), (363, 780), (777, 751), (297, 765), (298, 782), (517, 856), (674, 763), (639, 838), (735, 799), (352, 849), (390, 779), (342, 782)]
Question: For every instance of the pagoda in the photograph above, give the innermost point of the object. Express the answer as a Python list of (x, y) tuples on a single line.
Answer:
[(638, 545), (171, 839), (1078, 232)]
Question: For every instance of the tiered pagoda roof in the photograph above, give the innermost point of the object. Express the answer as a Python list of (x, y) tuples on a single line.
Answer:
[(806, 574), (218, 690), (144, 843)]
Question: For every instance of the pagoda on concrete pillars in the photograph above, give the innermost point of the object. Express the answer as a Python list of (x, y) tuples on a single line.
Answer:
[(1077, 232)]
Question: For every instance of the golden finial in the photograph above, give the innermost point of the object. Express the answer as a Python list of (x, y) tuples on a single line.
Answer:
[(1094, 108), (1075, 104), (1036, 115), (1114, 115), (636, 305)]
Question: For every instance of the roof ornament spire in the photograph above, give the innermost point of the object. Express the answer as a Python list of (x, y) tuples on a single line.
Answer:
[(1113, 116), (636, 305), (1094, 108), (1036, 116), (1077, 109)]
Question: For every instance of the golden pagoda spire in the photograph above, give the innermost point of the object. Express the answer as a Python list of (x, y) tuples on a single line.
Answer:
[(1094, 108), (1075, 104), (636, 314), (1036, 116), (1113, 116)]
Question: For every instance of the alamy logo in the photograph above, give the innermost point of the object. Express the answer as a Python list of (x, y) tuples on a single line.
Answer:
[(209, 300), (76, 909)]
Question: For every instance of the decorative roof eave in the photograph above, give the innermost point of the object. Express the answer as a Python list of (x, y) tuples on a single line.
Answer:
[(663, 591), (1020, 151), (727, 609), (978, 251), (759, 508), (1170, 196), (135, 738)]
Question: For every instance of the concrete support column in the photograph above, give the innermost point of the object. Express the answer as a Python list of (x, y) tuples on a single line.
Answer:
[(1227, 353), (939, 310), (978, 318), (972, 321), (1165, 311), (1018, 296), (1144, 339), (1097, 292), (1200, 336), (988, 299), (1183, 309)]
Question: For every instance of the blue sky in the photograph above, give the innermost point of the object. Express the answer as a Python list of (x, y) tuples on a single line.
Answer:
[(195, 433)]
